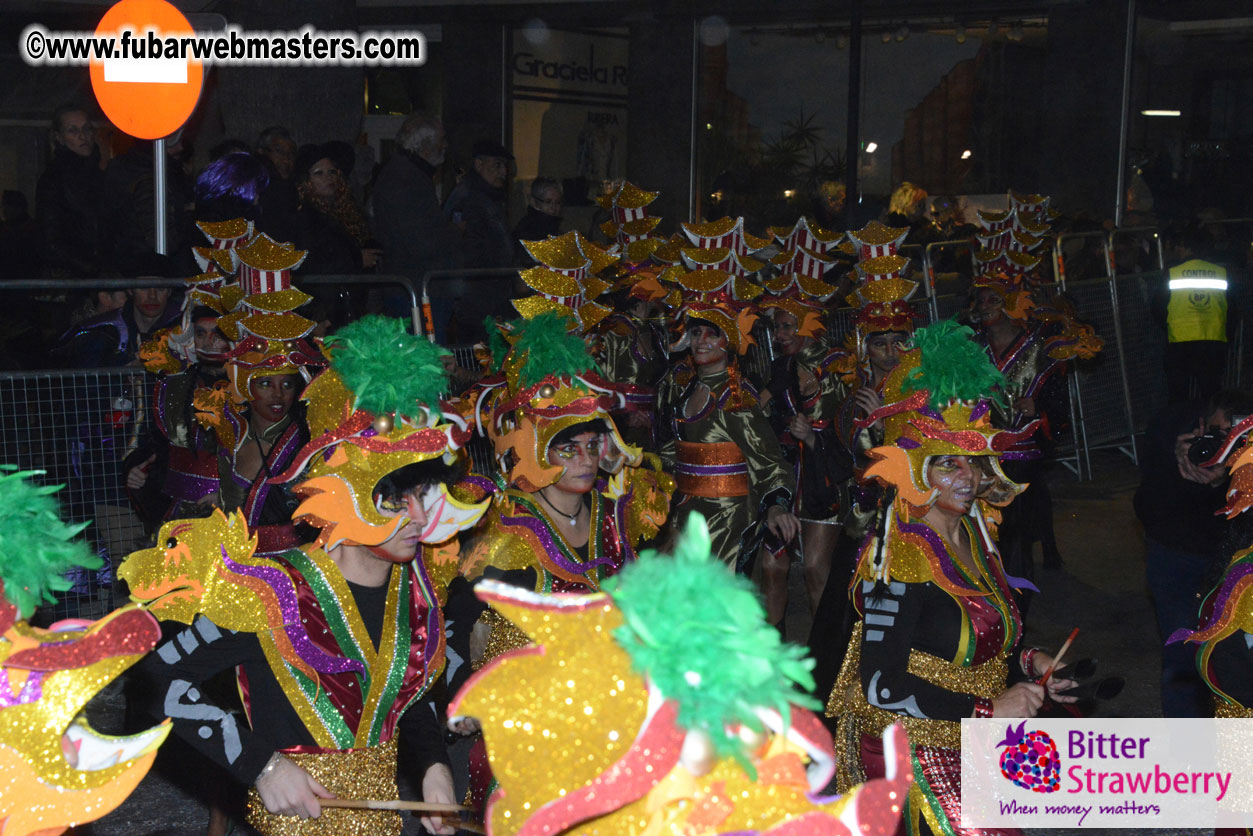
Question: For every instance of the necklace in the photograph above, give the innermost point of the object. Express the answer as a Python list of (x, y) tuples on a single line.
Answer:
[(572, 518)]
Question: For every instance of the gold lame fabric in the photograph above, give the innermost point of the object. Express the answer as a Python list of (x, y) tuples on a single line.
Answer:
[(368, 773)]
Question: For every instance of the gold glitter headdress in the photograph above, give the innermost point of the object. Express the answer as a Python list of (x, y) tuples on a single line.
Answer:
[(630, 227), (804, 258), (718, 284), (882, 297), (269, 336), (548, 382), (566, 280), (173, 349), (225, 237), (375, 410), (599, 721), (55, 770)]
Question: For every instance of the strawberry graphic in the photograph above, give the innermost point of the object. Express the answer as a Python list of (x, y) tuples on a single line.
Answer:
[(1030, 759)]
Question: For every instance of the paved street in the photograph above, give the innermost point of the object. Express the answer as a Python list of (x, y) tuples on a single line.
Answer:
[(1100, 590)]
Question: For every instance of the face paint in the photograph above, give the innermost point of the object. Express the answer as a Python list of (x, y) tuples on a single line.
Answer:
[(957, 482), (580, 456), (709, 345)]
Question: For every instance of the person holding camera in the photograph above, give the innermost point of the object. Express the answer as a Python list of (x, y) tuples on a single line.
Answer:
[(1177, 503)]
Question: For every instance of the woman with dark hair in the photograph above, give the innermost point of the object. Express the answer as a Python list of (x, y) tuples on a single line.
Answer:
[(330, 225), (939, 636), (557, 523)]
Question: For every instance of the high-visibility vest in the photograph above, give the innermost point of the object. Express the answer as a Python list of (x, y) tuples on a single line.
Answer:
[(1198, 302)]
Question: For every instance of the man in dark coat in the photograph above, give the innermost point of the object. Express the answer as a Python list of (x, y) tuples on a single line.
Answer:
[(408, 221), (69, 200)]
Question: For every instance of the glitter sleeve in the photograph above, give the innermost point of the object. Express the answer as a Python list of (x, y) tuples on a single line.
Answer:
[(177, 671), (897, 616)]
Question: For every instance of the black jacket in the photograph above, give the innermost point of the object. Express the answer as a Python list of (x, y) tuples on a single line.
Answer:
[(408, 221), (69, 208), (479, 209)]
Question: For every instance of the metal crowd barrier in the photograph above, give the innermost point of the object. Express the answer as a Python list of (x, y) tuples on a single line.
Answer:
[(76, 426)]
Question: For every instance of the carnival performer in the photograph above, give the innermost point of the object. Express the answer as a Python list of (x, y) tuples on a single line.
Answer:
[(882, 327), (173, 473), (338, 644), (1030, 344), (726, 458), (940, 626), (571, 500), (255, 413), (805, 393)]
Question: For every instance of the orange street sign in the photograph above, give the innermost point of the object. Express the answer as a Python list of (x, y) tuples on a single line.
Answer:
[(151, 93)]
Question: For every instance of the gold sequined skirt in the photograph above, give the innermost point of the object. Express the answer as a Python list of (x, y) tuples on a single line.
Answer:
[(1229, 710), (350, 773), (858, 717)]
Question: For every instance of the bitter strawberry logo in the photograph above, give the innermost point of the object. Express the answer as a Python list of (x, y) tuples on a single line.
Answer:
[(1030, 759)]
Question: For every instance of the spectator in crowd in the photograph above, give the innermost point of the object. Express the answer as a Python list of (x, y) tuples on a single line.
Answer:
[(1177, 503), (130, 198), (410, 225), (278, 200), (908, 207), (477, 208), (542, 218), (1193, 305), (333, 229), (113, 338), (69, 205), (19, 253)]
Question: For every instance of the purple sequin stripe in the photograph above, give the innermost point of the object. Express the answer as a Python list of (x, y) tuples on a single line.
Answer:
[(189, 487), (280, 583), (32, 691), (981, 409), (550, 546), (257, 500), (907, 443), (1220, 601), (937, 545)]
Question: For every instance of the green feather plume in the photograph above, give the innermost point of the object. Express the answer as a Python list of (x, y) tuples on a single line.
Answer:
[(387, 369), (953, 367), (496, 343), (37, 549), (546, 346), (699, 632)]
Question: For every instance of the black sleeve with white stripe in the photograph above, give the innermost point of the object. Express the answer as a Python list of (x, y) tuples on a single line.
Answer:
[(899, 617), (176, 671)]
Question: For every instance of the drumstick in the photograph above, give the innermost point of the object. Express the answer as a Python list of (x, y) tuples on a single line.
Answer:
[(1044, 680), (377, 804)]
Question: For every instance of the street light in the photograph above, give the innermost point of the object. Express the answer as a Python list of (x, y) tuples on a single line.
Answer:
[(871, 147)]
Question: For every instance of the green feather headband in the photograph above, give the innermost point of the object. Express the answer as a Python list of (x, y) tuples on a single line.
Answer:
[(952, 366), (387, 369), (37, 548), (544, 345), (699, 633)]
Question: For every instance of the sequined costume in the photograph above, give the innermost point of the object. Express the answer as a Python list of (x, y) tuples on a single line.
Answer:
[(331, 672), (934, 637), (548, 384), (1224, 636), (728, 464), (725, 456), (659, 708), (56, 771)]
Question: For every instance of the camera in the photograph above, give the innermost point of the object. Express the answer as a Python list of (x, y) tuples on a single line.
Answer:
[(1205, 447)]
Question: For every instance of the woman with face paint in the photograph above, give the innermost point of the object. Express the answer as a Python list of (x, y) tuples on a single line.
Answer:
[(939, 633), (570, 503), (337, 644), (725, 456)]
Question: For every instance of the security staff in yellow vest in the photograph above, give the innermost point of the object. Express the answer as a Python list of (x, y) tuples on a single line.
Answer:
[(1196, 322)]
